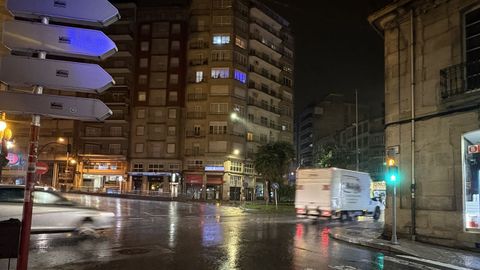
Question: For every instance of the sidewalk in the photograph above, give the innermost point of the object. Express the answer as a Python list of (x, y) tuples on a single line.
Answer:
[(368, 234)]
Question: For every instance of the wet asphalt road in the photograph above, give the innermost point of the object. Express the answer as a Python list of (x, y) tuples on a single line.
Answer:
[(175, 235)]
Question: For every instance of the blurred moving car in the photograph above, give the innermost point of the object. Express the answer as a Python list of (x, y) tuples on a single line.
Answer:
[(52, 212)]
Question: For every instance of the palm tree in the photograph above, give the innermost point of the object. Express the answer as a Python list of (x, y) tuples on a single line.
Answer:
[(271, 161)]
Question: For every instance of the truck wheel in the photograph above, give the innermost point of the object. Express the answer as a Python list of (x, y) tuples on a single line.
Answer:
[(376, 213), (344, 216)]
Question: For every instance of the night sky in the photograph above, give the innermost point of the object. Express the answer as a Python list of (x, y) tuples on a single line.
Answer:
[(336, 49)]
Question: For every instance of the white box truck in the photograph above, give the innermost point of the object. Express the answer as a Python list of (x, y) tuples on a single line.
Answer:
[(335, 193)]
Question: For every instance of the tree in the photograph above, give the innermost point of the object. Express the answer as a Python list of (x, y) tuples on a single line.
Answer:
[(272, 161), (332, 155)]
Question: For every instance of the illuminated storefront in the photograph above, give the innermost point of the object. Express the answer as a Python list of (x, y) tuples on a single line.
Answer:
[(103, 176), (471, 181)]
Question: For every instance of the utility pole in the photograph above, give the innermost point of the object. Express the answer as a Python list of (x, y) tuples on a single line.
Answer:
[(356, 131)]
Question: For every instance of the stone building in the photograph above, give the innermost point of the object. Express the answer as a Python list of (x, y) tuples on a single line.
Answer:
[(432, 53)]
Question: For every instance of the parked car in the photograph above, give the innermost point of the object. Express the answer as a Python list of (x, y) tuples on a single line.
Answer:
[(52, 212)]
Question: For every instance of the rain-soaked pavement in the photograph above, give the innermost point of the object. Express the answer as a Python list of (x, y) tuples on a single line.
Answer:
[(176, 235)]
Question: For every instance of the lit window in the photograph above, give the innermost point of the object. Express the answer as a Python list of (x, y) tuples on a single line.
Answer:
[(220, 73), (250, 136), (240, 76), (240, 42), (142, 96), (199, 76), (221, 39)]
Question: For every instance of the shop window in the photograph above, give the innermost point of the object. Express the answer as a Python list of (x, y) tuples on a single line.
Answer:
[(471, 180)]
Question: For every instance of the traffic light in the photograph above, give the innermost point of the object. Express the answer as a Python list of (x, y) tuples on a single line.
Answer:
[(392, 171)]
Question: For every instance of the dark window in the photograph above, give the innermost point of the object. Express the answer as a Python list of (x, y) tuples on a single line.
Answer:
[(11, 194), (472, 48)]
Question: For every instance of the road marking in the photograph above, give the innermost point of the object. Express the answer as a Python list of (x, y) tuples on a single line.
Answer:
[(409, 263), (451, 266)]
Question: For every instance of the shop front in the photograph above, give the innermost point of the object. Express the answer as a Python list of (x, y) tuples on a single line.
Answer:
[(214, 187), (193, 183), (106, 177), (471, 181)]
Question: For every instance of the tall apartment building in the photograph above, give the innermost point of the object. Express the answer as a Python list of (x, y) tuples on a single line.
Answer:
[(319, 123), (240, 60), (157, 118), (103, 148)]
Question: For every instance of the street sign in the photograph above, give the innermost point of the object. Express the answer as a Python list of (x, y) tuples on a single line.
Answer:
[(85, 109), (42, 168), (275, 186), (57, 40), (83, 12), (55, 74)]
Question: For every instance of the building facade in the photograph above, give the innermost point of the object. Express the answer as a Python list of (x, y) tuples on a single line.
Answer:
[(239, 95), (103, 148), (319, 123), (431, 117), (159, 95)]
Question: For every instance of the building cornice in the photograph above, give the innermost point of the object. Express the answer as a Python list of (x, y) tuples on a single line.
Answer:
[(381, 18)]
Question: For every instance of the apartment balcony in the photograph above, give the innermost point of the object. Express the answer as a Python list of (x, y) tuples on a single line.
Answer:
[(263, 106), (265, 75), (195, 134), (267, 43), (265, 57), (254, 85), (194, 152), (104, 136), (116, 118), (199, 28), (266, 27), (195, 167), (102, 152), (197, 45), (196, 115), (198, 62), (110, 99), (266, 124), (460, 79), (197, 80), (196, 97)]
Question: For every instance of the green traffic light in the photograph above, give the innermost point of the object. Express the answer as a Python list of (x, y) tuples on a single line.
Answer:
[(393, 178)]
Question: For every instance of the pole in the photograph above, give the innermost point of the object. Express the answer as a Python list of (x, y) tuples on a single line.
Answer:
[(22, 262), (412, 97), (356, 130), (394, 213)]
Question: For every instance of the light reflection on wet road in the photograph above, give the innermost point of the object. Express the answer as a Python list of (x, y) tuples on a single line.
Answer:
[(175, 235)]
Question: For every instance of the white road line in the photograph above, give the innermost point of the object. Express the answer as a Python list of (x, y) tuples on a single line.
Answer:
[(451, 266), (409, 263)]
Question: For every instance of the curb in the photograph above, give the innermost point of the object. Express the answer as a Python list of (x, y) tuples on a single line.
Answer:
[(368, 243)]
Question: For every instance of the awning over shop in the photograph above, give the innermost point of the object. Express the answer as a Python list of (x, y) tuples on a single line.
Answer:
[(194, 179), (214, 179)]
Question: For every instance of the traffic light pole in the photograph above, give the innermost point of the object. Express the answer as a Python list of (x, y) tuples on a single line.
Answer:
[(394, 214), (22, 262)]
